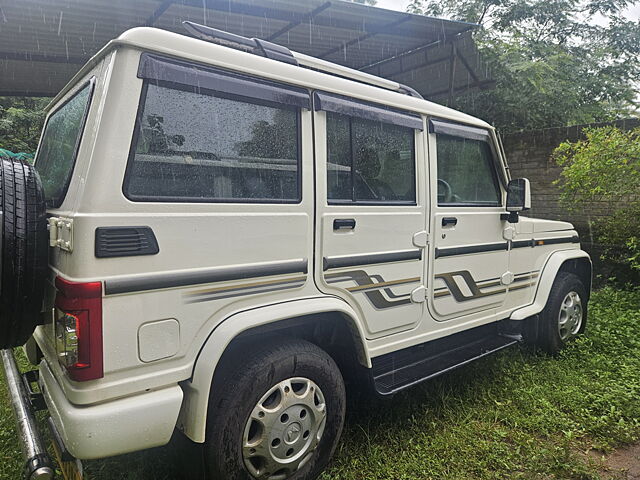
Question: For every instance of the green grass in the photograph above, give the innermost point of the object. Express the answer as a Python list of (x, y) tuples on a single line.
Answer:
[(517, 415)]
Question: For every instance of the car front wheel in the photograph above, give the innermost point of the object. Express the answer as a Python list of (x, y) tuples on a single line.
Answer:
[(565, 315)]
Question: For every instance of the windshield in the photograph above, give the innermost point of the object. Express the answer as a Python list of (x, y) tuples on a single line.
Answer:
[(59, 145)]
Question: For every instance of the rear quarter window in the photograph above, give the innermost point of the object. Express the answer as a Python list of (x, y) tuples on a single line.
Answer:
[(59, 144), (197, 145)]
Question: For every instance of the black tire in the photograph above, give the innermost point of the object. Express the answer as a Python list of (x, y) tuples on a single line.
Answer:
[(232, 402), (24, 251), (549, 338)]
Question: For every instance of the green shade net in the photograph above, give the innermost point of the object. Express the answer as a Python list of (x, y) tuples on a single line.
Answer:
[(8, 155)]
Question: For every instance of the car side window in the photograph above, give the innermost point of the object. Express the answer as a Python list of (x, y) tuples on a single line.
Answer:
[(197, 146), (204, 134), (466, 173), (369, 161)]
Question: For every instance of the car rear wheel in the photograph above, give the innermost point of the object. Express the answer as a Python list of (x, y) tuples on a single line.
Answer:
[(277, 416), (24, 251)]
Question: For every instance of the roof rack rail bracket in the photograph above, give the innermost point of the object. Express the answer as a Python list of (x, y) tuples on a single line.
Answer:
[(274, 51), (252, 45), (410, 91), (220, 37)]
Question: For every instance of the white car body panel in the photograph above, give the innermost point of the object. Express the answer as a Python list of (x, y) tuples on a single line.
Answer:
[(120, 426), (551, 268)]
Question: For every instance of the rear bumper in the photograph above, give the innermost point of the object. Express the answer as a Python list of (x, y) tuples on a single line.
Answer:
[(112, 428)]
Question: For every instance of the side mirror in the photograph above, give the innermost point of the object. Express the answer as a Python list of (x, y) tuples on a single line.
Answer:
[(518, 199), (518, 195)]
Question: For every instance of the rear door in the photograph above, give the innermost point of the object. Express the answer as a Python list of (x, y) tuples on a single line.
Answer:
[(470, 258), (369, 208)]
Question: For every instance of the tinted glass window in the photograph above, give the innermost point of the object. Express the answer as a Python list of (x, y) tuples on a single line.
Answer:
[(369, 161), (203, 146), (466, 175), (59, 144)]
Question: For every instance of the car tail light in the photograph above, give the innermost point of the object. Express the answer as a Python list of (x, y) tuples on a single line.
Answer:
[(78, 328)]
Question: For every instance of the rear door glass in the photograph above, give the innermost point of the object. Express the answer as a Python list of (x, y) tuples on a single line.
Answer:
[(369, 161), (59, 145)]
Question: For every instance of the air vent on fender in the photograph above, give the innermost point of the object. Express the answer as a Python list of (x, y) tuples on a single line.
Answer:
[(125, 242)]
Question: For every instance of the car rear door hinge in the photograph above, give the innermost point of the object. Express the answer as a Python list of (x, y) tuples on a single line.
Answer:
[(61, 233)]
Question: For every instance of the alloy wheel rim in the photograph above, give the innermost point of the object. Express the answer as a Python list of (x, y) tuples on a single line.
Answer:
[(570, 316), (284, 429)]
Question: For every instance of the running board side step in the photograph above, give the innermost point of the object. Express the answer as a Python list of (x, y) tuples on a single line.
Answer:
[(402, 369)]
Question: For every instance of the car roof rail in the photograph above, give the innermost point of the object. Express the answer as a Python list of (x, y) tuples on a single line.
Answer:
[(283, 54)]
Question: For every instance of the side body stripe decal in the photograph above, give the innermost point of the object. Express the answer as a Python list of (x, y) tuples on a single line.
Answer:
[(168, 280), (492, 247), (208, 295), (370, 259), (467, 249), (476, 288), (365, 284), (546, 241)]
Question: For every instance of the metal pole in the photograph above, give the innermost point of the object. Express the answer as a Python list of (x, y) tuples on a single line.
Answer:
[(38, 463), (452, 73)]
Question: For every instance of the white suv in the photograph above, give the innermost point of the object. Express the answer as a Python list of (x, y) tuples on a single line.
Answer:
[(235, 230)]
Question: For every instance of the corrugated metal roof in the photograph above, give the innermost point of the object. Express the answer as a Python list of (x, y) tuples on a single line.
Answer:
[(43, 42)]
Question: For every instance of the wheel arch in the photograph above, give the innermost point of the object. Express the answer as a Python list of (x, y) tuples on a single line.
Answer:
[(325, 321), (583, 268), (573, 261)]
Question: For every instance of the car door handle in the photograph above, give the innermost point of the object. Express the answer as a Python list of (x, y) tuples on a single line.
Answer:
[(344, 224), (449, 221)]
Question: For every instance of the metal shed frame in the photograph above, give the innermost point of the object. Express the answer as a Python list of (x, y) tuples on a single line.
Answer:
[(44, 42)]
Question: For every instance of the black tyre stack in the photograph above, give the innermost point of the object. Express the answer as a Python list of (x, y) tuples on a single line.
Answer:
[(23, 259)]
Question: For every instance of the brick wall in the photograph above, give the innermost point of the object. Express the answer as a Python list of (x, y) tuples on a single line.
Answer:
[(529, 155)]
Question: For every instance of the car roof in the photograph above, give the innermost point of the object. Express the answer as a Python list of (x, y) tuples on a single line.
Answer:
[(183, 47)]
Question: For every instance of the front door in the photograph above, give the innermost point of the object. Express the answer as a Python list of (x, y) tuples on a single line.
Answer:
[(370, 210), (470, 255)]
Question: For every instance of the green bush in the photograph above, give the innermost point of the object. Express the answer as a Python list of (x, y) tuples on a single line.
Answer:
[(604, 167), (21, 120), (619, 236)]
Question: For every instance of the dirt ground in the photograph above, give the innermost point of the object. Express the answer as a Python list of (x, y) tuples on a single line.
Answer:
[(622, 464)]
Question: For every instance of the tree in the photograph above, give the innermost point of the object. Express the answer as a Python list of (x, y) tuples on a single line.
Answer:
[(21, 120), (271, 140), (605, 168), (551, 65)]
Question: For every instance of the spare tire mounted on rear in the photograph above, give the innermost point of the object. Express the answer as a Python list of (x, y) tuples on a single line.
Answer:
[(23, 259)]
